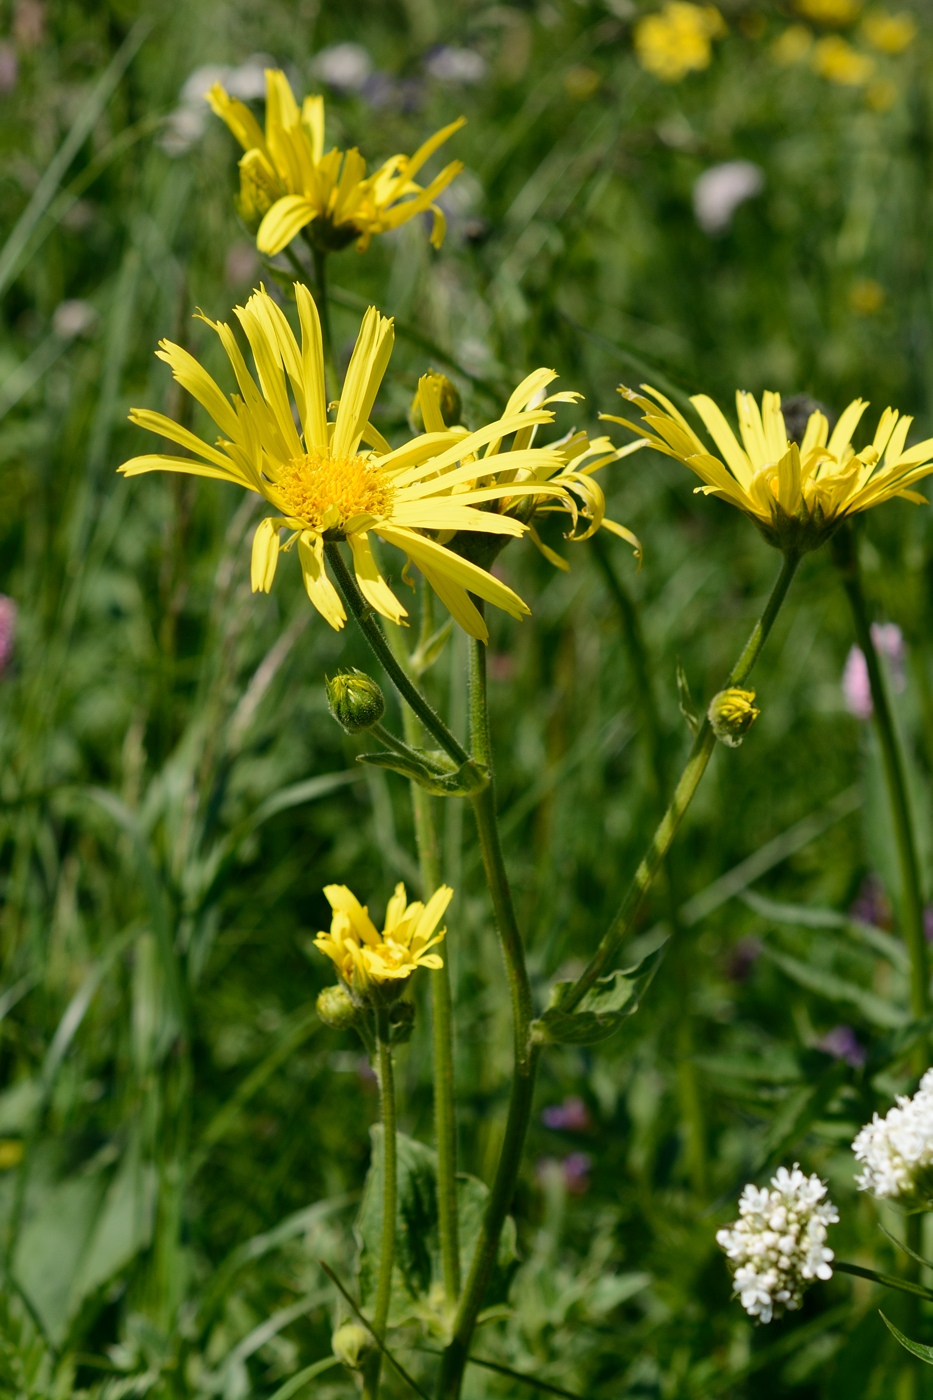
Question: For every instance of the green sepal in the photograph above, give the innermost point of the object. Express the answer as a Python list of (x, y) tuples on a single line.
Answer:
[(430, 773), (686, 701), (604, 1007)]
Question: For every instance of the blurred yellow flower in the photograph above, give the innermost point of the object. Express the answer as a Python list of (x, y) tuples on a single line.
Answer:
[(363, 956), (287, 183), (882, 94), (582, 82), (793, 45), (839, 62), (11, 1153), (834, 12), (341, 480), (796, 495), (676, 40), (889, 33), (866, 296)]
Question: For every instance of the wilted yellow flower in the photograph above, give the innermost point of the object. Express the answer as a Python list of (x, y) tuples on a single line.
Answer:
[(889, 33), (835, 12), (838, 62), (531, 489), (676, 40), (363, 956), (341, 480), (866, 296), (288, 183), (796, 495), (793, 45)]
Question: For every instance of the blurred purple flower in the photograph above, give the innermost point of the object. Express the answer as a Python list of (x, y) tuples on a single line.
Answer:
[(571, 1116), (856, 691), (8, 612), (577, 1172), (742, 959), (9, 68), (928, 923), (871, 904), (843, 1044)]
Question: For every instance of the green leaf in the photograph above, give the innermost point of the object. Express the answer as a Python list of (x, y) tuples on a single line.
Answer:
[(838, 989), (687, 704), (417, 1279), (428, 773), (924, 1353), (603, 1009), (423, 658)]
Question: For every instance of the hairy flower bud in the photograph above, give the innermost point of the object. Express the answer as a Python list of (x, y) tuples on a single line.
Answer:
[(732, 713), (336, 1008), (351, 1344), (448, 397), (356, 702)]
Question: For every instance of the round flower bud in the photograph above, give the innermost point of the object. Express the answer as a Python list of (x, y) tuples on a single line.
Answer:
[(336, 1008), (450, 402), (732, 713), (355, 701), (351, 1344)]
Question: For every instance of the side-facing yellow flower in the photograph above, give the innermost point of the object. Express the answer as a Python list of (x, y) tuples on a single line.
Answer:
[(796, 495), (363, 956), (341, 480), (287, 182), (676, 40), (533, 489)]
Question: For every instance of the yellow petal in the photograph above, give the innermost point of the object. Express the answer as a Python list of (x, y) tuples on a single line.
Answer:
[(368, 364), (238, 117), (372, 585), (287, 217), (318, 586), (265, 555)]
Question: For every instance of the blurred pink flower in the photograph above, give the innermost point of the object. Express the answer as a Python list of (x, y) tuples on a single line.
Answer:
[(843, 1044), (571, 1116), (856, 691), (8, 611)]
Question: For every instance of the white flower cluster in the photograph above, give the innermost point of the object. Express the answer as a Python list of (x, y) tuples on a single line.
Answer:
[(778, 1246), (897, 1150)]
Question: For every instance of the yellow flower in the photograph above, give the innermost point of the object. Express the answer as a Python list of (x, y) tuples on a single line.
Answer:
[(839, 62), (288, 183), (676, 41), (561, 480), (796, 495), (793, 45), (837, 12), (866, 296), (341, 480), (363, 956), (889, 33)]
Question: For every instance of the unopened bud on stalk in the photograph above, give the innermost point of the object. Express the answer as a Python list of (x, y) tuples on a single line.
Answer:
[(351, 1344), (336, 1008), (732, 713), (355, 701), (447, 396)]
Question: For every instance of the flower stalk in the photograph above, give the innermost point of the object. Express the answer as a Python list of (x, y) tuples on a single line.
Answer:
[(389, 1199)]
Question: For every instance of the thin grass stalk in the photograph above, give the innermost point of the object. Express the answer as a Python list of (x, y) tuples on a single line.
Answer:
[(387, 1116)]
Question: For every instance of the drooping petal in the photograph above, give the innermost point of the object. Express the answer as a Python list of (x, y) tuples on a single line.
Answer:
[(318, 586), (265, 555), (372, 585)]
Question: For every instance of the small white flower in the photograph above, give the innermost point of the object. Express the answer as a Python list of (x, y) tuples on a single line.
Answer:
[(897, 1150), (719, 191), (777, 1248), (343, 67)]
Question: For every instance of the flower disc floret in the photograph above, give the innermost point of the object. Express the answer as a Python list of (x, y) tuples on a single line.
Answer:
[(897, 1150), (777, 1247), (375, 965), (328, 493), (797, 494)]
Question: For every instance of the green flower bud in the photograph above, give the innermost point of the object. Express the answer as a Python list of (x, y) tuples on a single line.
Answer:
[(448, 396), (351, 1344), (336, 1008), (732, 713), (355, 701)]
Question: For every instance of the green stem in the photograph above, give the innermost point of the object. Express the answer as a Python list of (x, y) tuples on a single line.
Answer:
[(362, 614), (691, 1098), (846, 554), (525, 1051), (683, 795), (445, 1119), (389, 1197)]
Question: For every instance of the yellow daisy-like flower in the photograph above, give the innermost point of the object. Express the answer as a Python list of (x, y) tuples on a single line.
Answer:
[(566, 483), (889, 33), (341, 480), (288, 183), (676, 41), (830, 12), (796, 495), (363, 956), (838, 62)]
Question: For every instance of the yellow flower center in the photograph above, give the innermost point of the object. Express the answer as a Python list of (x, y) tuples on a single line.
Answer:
[(328, 492)]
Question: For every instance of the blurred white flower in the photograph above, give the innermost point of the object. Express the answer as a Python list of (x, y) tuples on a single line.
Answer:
[(856, 690), (186, 125), (343, 67), (777, 1247), (452, 65), (73, 318), (897, 1150), (719, 191)]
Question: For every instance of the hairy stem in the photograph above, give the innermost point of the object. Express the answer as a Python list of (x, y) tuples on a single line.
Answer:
[(525, 1052), (700, 755), (389, 1194)]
